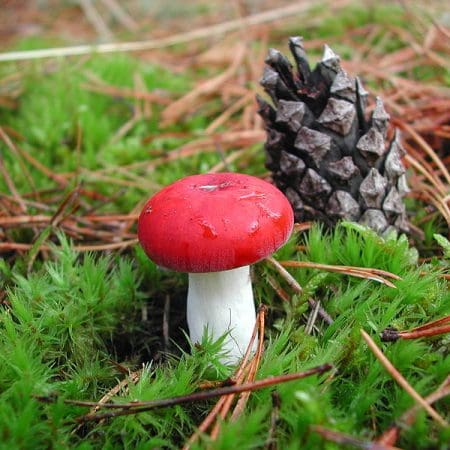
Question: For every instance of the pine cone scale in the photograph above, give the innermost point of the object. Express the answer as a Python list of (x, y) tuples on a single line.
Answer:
[(331, 160)]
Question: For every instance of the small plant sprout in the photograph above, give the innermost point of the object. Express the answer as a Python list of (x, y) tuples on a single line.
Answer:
[(214, 226)]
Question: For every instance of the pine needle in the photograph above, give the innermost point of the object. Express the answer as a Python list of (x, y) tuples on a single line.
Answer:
[(398, 377)]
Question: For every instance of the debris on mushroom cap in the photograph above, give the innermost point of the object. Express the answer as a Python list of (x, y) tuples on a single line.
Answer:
[(214, 222)]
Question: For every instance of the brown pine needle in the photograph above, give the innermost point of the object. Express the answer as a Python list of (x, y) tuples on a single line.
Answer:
[(176, 39), (431, 181), (433, 324), (392, 335), (420, 167), (407, 418), (227, 160), (398, 377), (122, 92), (427, 149), (227, 401), (33, 161), (295, 286), (291, 281), (240, 405), (70, 202), (310, 324), (206, 423), (347, 439), (303, 226), (132, 377), (11, 186), (433, 328), (278, 289), (232, 109), (8, 246), (112, 217), (271, 443), (138, 407), (416, 158), (13, 221), (224, 403), (230, 139), (445, 276), (360, 272), (18, 157), (179, 108)]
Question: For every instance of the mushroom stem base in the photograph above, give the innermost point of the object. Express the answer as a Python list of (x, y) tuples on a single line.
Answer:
[(222, 302)]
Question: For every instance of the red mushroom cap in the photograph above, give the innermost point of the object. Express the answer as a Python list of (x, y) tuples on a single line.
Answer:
[(214, 222)]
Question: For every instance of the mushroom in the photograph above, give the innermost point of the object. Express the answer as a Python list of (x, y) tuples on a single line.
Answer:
[(214, 226)]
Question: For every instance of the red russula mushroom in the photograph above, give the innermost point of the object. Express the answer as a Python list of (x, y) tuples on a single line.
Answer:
[(214, 226)]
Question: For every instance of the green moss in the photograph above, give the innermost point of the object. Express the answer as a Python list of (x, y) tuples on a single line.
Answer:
[(70, 324)]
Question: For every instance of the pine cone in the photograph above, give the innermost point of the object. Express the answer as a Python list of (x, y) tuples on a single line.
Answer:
[(331, 161)]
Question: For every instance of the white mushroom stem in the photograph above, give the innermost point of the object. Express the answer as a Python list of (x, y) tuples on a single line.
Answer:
[(222, 302)]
